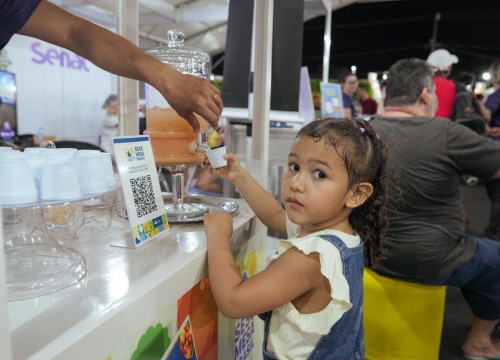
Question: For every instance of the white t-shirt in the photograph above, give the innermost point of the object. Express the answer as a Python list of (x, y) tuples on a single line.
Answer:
[(293, 335)]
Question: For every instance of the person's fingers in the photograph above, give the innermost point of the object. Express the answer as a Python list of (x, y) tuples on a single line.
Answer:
[(213, 109), (205, 101), (217, 99), (211, 114), (191, 119)]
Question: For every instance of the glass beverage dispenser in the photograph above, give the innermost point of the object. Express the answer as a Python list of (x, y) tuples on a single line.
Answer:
[(175, 145)]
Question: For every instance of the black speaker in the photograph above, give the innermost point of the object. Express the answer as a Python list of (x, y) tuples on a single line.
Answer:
[(288, 26), (236, 83)]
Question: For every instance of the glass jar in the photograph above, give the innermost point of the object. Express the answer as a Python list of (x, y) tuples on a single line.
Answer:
[(172, 137)]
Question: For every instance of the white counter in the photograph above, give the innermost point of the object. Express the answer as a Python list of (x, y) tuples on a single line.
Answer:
[(126, 291)]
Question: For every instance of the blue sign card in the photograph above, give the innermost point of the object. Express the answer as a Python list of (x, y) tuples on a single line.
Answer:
[(141, 187), (331, 100)]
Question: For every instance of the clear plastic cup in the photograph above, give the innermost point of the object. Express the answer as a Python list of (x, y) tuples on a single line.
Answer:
[(36, 163), (72, 151), (55, 157), (46, 153), (107, 163), (58, 179), (216, 157), (17, 184), (84, 151), (32, 151), (91, 173)]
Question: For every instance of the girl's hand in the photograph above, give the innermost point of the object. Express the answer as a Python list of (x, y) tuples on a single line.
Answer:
[(230, 171), (218, 225)]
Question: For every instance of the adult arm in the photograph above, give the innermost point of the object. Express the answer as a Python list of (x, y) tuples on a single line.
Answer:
[(485, 112), (472, 153), (491, 131), (188, 95)]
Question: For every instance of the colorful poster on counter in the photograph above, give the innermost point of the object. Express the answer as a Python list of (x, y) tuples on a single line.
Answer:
[(199, 305), (195, 320), (245, 328), (141, 188), (331, 100), (183, 347)]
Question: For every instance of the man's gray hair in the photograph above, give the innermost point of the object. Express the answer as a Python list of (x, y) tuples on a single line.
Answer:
[(406, 80)]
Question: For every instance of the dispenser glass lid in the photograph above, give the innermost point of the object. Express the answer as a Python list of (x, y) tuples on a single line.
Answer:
[(186, 59)]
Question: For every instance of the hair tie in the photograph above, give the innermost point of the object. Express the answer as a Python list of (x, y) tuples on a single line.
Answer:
[(362, 130)]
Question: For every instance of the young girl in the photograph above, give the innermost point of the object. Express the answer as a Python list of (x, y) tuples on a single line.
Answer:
[(334, 208)]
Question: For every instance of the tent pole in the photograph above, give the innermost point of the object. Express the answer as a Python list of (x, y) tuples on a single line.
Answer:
[(327, 39)]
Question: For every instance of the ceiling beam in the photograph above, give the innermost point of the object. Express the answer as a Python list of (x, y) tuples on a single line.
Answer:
[(205, 14), (161, 7)]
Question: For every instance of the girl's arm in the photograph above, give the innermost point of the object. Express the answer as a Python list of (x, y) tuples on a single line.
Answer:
[(116, 54), (285, 279), (263, 204)]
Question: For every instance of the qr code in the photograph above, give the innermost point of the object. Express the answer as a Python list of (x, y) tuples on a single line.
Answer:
[(144, 197)]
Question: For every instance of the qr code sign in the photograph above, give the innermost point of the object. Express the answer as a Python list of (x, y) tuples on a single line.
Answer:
[(144, 198)]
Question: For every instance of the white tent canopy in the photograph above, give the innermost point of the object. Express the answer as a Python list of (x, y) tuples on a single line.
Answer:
[(203, 21)]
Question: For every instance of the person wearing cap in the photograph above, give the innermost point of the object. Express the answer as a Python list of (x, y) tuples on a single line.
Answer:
[(442, 61), (188, 95)]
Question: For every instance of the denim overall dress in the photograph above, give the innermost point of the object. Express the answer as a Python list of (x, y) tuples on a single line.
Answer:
[(345, 341)]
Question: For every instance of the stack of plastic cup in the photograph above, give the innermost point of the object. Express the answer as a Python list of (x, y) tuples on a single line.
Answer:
[(108, 169), (33, 151), (91, 173), (36, 162), (85, 151), (17, 185), (72, 151), (58, 178)]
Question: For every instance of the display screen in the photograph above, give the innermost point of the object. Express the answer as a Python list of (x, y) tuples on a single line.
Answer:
[(8, 109)]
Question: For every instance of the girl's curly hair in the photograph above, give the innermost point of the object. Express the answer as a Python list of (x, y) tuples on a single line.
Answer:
[(365, 158)]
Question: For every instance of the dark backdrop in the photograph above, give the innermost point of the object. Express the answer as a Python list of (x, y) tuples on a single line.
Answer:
[(286, 60), (373, 36)]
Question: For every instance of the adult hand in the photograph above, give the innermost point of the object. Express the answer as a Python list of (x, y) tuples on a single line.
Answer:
[(190, 95), (494, 131)]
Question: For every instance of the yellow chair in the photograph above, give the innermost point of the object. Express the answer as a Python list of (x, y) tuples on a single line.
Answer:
[(402, 320)]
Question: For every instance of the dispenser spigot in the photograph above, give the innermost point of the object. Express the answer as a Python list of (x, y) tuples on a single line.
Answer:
[(201, 144)]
